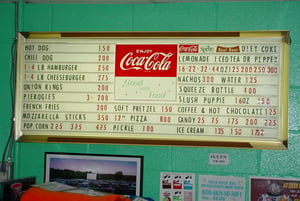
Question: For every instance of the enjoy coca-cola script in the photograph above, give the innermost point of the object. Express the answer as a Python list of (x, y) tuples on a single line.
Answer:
[(146, 60)]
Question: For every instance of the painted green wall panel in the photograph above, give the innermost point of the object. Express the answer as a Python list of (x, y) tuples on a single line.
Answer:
[(197, 160), (6, 22), (6, 39), (157, 158), (175, 17), (4, 133), (30, 156), (150, 183), (285, 163), (294, 109), (36, 17), (6, 104), (25, 163), (294, 64), (253, 16), (158, 153), (5, 97), (93, 17), (290, 20)]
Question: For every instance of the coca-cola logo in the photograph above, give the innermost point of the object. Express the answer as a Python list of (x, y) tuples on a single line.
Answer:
[(146, 60), (152, 62), (188, 48)]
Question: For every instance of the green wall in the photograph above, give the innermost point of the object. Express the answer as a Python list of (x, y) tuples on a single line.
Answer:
[(6, 41), (214, 16)]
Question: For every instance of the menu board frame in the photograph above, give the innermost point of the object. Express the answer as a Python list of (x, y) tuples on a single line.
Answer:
[(280, 141)]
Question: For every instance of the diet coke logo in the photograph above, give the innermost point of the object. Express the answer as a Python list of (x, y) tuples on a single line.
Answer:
[(146, 60)]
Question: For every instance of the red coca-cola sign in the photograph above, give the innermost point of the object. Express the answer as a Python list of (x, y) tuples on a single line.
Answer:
[(147, 60), (188, 48)]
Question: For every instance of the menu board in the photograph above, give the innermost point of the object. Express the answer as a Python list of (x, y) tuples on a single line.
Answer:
[(200, 88)]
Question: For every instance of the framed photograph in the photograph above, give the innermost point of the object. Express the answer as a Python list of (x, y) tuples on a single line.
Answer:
[(273, 188), (115, 174)]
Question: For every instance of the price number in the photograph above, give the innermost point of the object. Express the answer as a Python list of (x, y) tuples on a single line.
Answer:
[(257, 132), (102, 87), (250, 90), (102, 77), (101, 107), (251, 122), (219, 131), (101, 127), (56, 126), (270, 122), (272, 69), (200, 120), (232, 121), (251, 80), (215, 120), (103, 67), (149, 129), (263, 101), (102, 117), (103, 58), (271, 111), (104, 48), (166, 108), (165, 119), (102, 97), (236, 131), (76, 126)]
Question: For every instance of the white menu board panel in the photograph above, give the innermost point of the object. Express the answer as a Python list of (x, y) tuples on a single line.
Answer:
[(225, 89)]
